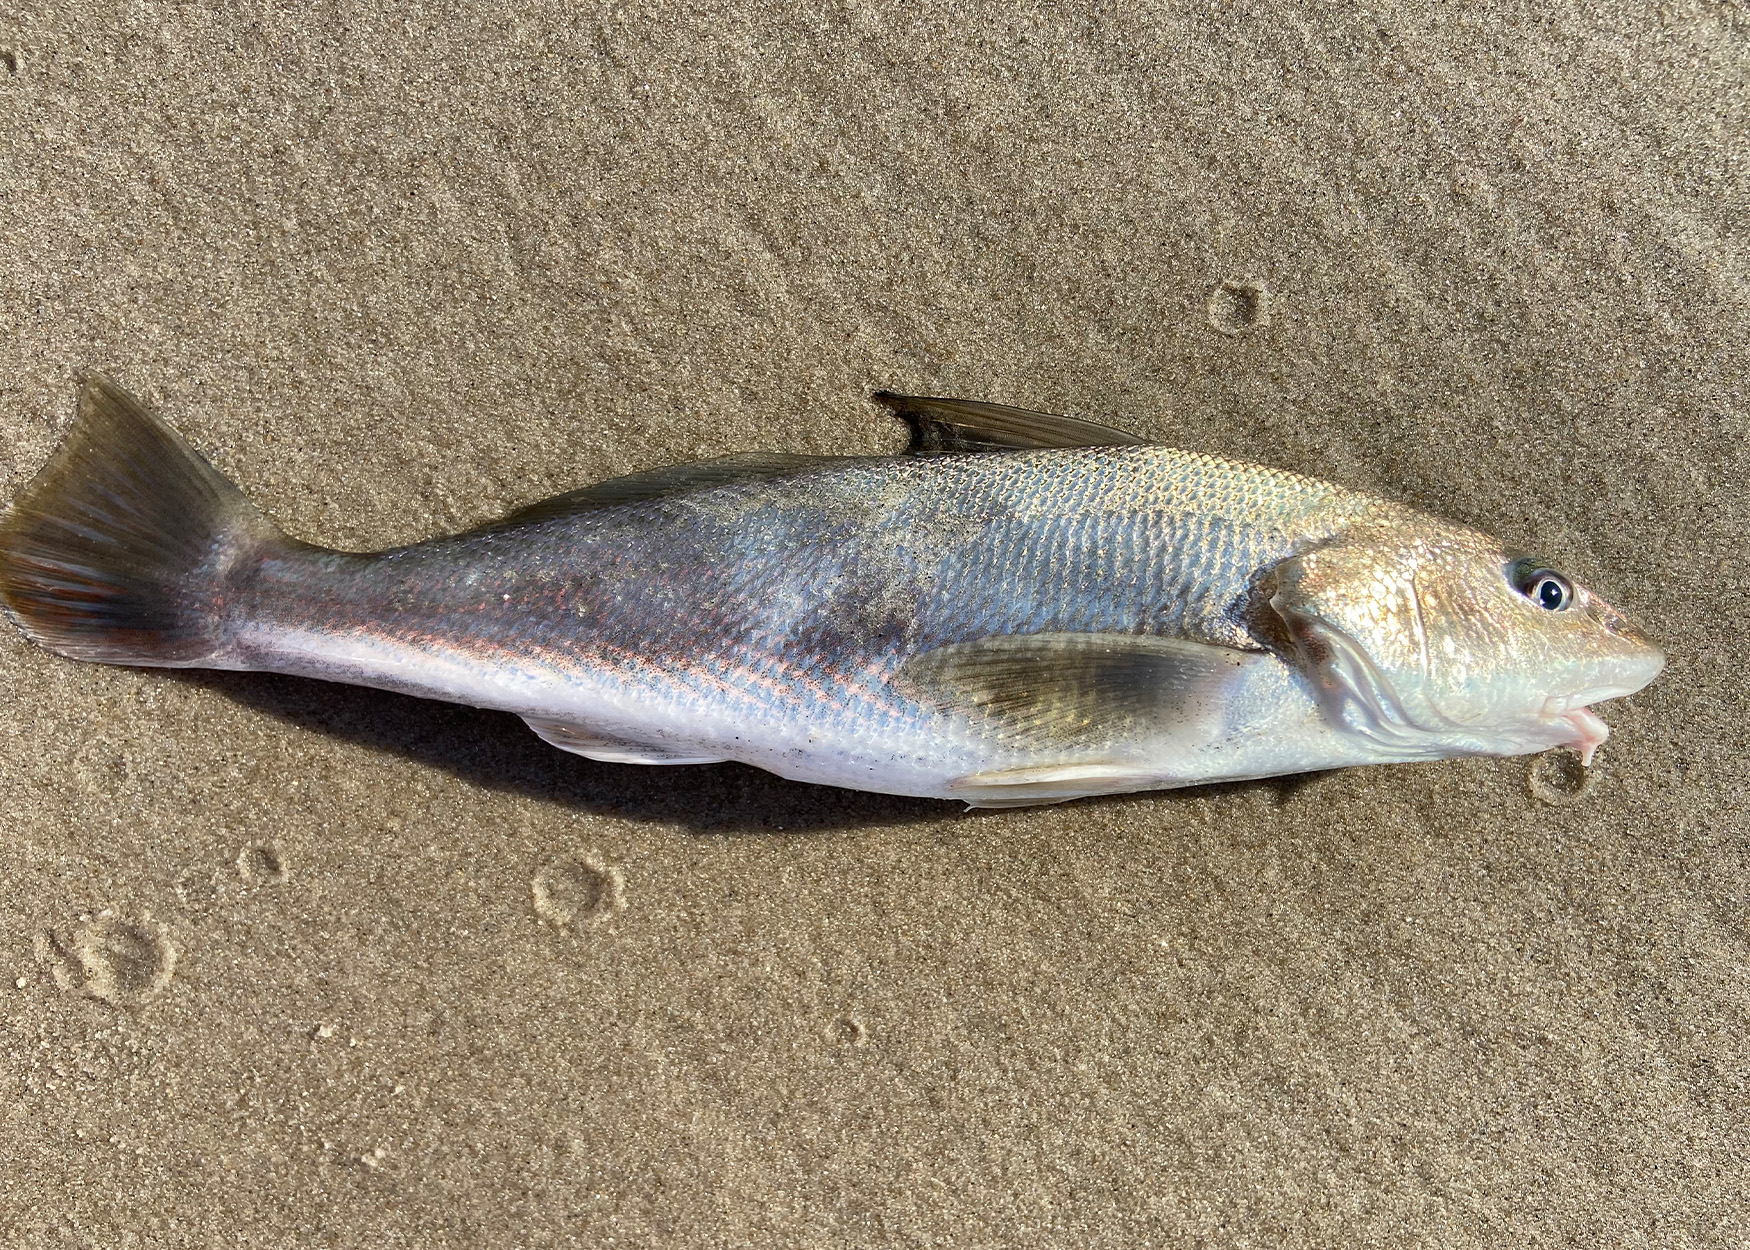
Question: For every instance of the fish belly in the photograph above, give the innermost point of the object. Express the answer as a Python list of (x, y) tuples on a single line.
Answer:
[(857, 733)]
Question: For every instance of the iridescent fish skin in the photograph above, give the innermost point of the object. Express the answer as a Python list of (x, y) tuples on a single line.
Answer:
[(1005, 627)]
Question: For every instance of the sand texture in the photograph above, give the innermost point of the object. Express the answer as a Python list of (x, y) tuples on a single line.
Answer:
[(292, 964)]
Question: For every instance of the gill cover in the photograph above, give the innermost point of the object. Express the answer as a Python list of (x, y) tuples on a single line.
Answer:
[(1354, 618)]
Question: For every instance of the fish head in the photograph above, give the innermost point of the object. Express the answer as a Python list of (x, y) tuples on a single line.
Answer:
[(1434, 640)]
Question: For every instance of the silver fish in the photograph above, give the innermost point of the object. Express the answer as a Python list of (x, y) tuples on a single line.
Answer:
[(1022, 609)]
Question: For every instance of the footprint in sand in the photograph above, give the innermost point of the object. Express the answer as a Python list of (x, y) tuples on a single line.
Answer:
[(577, 889), (126, 962), (1237, 308), (262, 862), (1558, 778)]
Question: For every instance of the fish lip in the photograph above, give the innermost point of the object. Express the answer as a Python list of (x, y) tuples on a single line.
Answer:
[(1588, 729), (1558, 706)]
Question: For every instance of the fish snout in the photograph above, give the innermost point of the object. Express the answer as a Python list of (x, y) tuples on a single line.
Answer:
[(1620, 625), (1635, 644)]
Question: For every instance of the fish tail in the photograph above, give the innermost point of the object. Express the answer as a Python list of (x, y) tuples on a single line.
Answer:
[(120, 550)]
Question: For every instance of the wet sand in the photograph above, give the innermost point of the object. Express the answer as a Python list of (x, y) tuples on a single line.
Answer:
[(285, 964)]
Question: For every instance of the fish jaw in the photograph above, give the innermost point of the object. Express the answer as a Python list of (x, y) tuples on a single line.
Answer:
[(1588, 729), (1582, 728)]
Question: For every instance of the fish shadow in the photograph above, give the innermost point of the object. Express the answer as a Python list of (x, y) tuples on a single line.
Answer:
[(496, 751)]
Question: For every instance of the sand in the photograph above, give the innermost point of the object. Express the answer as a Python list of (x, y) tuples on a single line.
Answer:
[(291, 964)]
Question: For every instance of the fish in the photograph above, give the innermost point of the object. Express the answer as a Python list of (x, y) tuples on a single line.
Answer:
[(1021, 608)]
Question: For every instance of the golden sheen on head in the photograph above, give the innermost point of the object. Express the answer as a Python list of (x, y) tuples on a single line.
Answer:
[(1426, 630)]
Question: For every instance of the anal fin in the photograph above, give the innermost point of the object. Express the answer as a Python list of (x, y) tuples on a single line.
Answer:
[(1050, 783), (610, 749)]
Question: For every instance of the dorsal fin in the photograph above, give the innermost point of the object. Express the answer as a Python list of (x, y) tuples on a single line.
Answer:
[(665, 483), (944, 425)]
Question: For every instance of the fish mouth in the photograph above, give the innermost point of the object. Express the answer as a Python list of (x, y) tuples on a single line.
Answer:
[(1351, 676), (1587, 730), (1559, 705), (1569, 711)]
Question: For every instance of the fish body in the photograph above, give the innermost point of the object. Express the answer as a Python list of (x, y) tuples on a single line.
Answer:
[(1026, 610)]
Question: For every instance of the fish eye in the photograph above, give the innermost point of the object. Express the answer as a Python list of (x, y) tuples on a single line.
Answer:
[(1546, 588)]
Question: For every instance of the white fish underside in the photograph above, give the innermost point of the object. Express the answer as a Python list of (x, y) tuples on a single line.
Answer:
[(1269, 723)]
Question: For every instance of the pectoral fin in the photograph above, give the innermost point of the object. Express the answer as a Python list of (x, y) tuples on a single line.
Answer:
[(608, 749), (943, 425), (1064, 690)]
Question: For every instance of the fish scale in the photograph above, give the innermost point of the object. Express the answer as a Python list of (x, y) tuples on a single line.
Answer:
[(644, 619), (1025, 609)]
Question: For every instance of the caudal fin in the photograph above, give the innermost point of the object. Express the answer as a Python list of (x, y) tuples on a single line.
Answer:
[(120, 550)]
